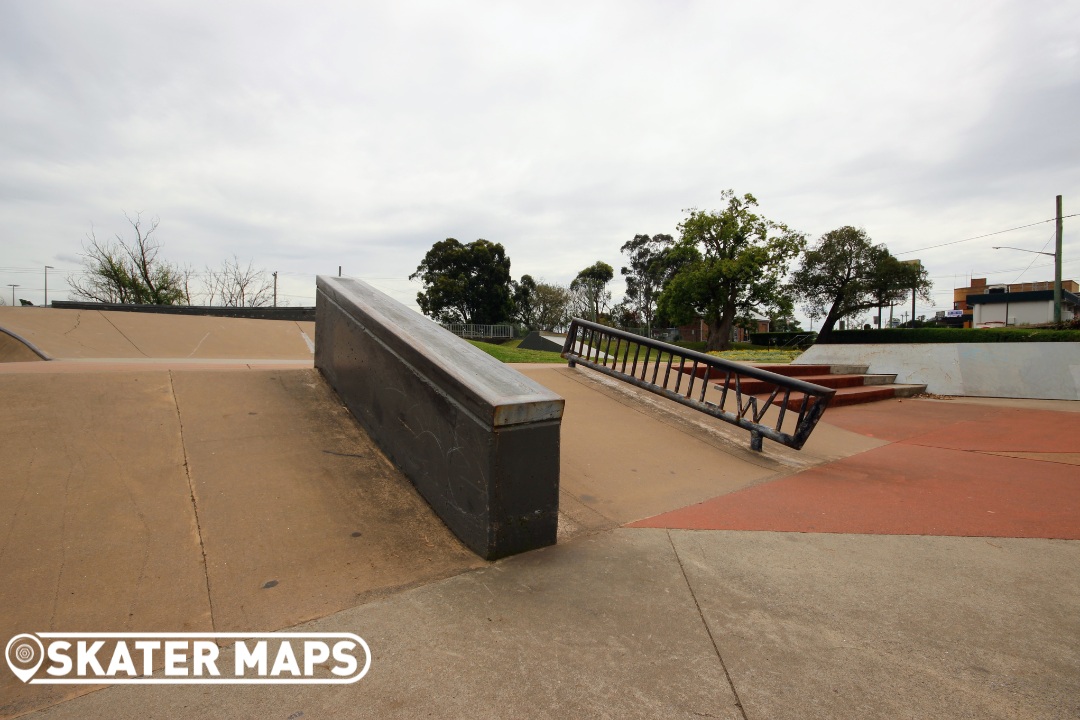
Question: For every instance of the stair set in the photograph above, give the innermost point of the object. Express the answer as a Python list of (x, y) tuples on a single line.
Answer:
[(853, 385)]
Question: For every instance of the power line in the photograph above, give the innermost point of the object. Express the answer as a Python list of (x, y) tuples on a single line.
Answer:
[(979, 273), (979, 237), (1054, 235)]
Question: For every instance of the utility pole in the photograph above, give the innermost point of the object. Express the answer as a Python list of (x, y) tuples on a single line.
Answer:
[(1057, 266), (13, 286), (275, 288), (914, 285), (913, 289), (47, 269)]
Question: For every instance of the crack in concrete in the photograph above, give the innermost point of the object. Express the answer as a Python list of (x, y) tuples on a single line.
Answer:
[(78, 319), (122, 334), (63, 549), (194, 503), (199, 345), (712, 639)]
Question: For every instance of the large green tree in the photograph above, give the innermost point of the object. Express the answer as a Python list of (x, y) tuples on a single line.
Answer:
[(845, 273), (129, 271), (653, 261), (465, 283), (591, 288), (742, 260)]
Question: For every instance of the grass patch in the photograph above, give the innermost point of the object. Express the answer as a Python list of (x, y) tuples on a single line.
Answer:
[(509, 352), (759, 356)]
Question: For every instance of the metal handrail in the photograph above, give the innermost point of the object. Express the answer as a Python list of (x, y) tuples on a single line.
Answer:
[(590, 344), (797, 339)]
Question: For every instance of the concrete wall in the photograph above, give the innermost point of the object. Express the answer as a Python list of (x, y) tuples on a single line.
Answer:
[(1047, 370), (479, 440)]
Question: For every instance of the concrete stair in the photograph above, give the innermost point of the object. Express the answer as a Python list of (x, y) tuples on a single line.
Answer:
[(853, 385)]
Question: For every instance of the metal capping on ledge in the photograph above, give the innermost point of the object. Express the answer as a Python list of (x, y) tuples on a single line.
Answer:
[(583, 345), (483, 385)]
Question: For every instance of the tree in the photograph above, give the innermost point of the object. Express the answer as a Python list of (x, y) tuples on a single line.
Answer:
[(465, 283), (783, 319), (844, 273), (129, 272), (235, 286), (591, 288), (653, 262), (626, 316), (742, 260), (525, 310), (552, 306)]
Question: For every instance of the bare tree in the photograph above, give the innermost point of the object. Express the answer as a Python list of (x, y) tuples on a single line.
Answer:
[(236, 286), (119, 271)]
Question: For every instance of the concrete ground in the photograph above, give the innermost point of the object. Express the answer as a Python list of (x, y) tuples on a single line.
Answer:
[(855, 579)]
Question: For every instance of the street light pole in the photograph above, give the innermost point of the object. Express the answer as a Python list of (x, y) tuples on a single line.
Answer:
[(1057, 267), (275, 288), (47, 269)]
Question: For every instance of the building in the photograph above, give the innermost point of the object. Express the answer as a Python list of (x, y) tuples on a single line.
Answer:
[(698, 330), (1016, 304)]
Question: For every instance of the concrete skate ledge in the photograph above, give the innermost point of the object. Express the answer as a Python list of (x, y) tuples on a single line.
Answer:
[(479, 440)]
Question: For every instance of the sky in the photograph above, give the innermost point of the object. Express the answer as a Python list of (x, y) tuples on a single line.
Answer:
[(306, 136)]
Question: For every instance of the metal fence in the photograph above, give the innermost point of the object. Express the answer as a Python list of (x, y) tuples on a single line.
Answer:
[(740, 394), (480, 331)]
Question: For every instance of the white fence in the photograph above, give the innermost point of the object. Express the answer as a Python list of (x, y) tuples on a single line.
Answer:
[(480, 331)]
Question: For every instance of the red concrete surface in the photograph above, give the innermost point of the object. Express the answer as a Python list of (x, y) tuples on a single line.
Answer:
[(962, 425), (934, 482)]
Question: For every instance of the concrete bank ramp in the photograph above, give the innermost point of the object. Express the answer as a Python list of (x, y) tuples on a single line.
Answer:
[(14, 349), (195, 501), (626, 453), (95, 334)]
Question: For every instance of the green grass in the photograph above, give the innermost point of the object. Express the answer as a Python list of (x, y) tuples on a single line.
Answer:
[(759, 356), (509, 352)]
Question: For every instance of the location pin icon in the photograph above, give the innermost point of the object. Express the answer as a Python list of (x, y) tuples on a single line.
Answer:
[(24, 654)]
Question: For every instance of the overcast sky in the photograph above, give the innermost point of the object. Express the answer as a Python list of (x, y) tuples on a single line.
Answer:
[(304, 136)]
